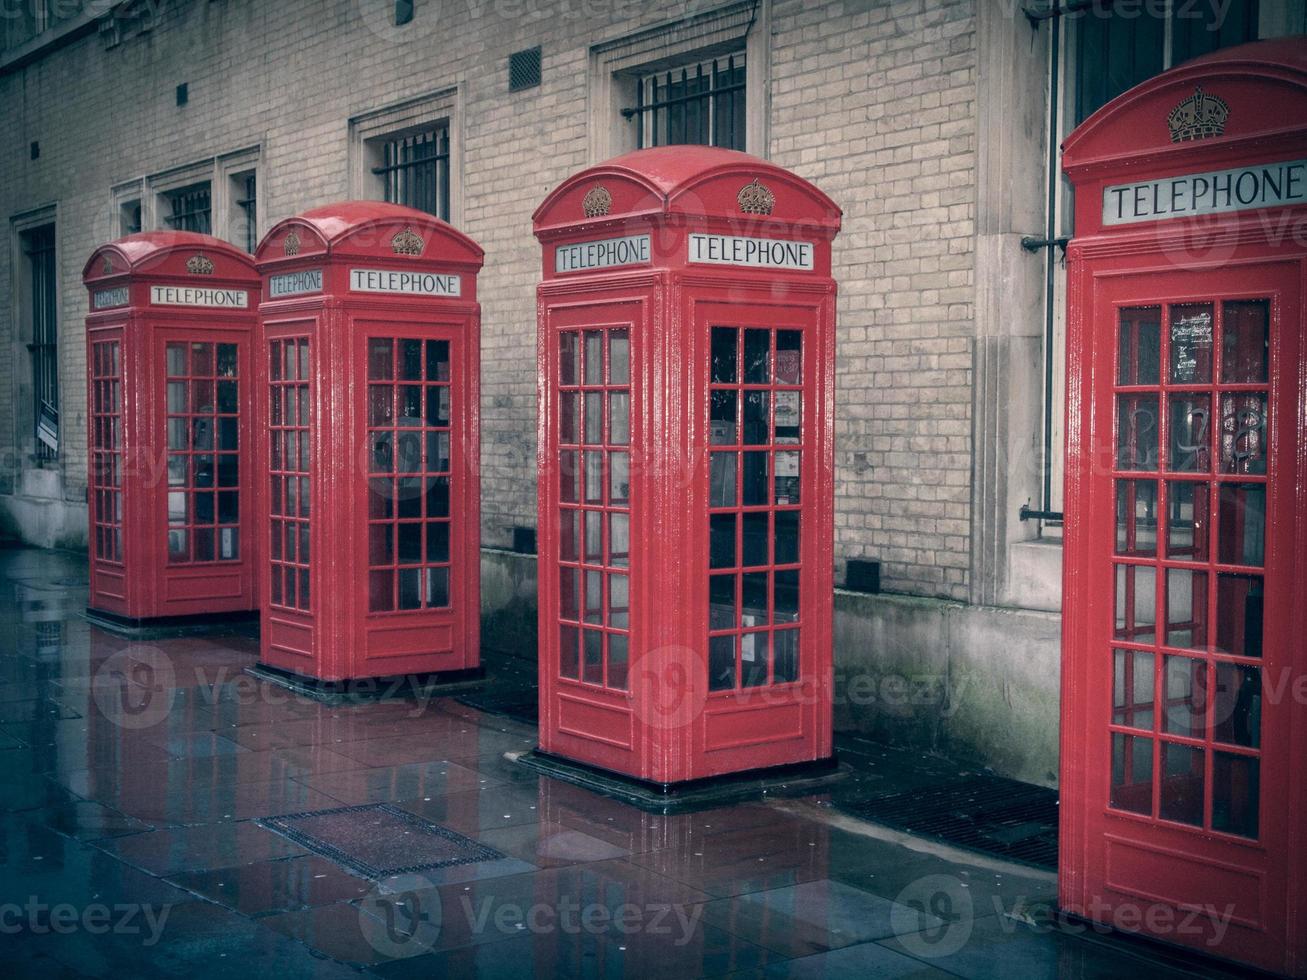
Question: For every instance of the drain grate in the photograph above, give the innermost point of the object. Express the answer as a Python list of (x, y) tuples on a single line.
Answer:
[(377, 840), (987, 813)]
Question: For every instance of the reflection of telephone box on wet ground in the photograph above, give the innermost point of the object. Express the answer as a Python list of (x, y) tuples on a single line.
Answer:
[(369, 429), (686, 363), (1183, 739), (170, 470)]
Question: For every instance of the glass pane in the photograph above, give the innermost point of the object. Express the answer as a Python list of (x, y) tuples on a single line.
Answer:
[(619, 601), (410, 588), (569, 656), (1239, 602), (594, 482), (722, 487), (1241, 524), (568, 471), (620, 483), (722, 541), (1136, 517), (437, 587), (594, 418), (381, 591), (723, 418), (1186, 608), (619, 418), (568, 536), (757, 351), (381, 359), (1132, 773), (1136, 432), (619, 361), (1185, 705), (1235, 789), (787, 537), (176, 356), (724, 355), (410, 360), (594, 537), (722, 610), (1190, 450), (569, 593), (755, 418), (756, 486), (177, 401), (1246, 342), (1243, 433), (569, 359), (1181, 797), (755, 539), (381, 545), (785, 652), (787, 478), (786, 601), (437, 406), (619, 540), (1237, 705), (593, 664), (437, 360), (410, 543), (753, 659), (1136, 610), (1139, 351), (594, 597), (202, 360), (437, 452), (789, 359), (753, 599), (721, 663), (594, 357), (618, 661), (1186, 521), (1132, 688), (1191, 344), (788, 417)]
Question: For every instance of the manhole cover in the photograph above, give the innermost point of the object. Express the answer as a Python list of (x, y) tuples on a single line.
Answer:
[(377, 840)]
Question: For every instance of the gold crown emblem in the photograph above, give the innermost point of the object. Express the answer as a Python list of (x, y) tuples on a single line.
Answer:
[(199, 265), (108, 266), (756, 198), (407, 243), (1198, 117), (597, 202), (292, 243)]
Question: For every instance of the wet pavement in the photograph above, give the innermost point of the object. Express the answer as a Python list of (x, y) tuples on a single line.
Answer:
[(133, 775)]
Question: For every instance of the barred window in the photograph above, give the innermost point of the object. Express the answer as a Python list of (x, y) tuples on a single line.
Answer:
[(190, 208), (245, 189), (701, 103), (414, 170), (41, 295)]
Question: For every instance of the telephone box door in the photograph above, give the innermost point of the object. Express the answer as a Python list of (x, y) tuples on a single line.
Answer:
[(1189, 473)]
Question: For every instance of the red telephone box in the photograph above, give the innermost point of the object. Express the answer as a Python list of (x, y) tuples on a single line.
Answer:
[(169, 468), (686, 367), (369, 428), (1184, 726)]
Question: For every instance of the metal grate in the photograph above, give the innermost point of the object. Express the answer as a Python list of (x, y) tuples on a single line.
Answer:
[(984, 812), (524, 69), (415, 170), (378, 840), (191, 209), (39, 245), (248, 203), (703, 104)]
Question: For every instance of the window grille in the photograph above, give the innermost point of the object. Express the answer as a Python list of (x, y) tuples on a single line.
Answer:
[(415, 170), (191, 209), (702, 104), (39, 245)]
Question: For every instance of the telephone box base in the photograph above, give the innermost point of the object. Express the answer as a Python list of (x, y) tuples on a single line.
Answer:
[(245, 622), (362, 689), (794, 779)]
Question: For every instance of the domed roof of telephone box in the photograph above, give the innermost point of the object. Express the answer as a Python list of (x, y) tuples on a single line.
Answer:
[(691, 182), (369, 228), (168, 252)]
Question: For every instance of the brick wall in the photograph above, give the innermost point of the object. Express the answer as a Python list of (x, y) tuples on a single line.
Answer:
[(873, 102)]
